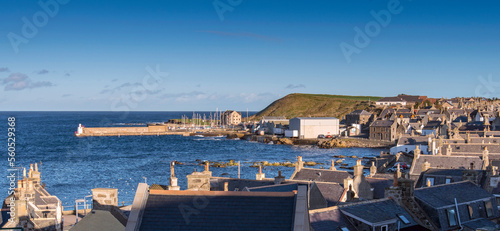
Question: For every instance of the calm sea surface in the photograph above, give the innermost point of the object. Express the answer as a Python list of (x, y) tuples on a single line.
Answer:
[(72, 166)]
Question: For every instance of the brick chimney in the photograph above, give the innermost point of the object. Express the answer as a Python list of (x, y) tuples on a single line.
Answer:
[(173, 180), (279, 179), (260, 175)]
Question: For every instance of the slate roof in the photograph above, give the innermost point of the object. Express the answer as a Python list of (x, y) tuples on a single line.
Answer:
[(412, 140), (322, 175), (410, 98), (319, 197), (359, 112), (275, 188), (391, 99), (184, 210), (217, 183), (99, 220), (432, 125), (328, 219), (445, 162), (481, 223), (331, 192), (382, 123), (444, 195), (493, 148), (378, 211), (379, 185)]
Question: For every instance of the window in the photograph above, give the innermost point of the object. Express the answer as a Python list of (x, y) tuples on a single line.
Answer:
[(448, 180), (430, 181), (403, 219), (384, 228), (471, 211), (452, 217), (489, 208)]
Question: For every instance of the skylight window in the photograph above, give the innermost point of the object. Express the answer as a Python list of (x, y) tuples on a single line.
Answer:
[(404, 219)]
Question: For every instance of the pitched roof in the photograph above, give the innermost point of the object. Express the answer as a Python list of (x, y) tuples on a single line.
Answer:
[(322, 175), (195, 210), (217, 183), (328, 219), (332, 192), (99, 220), (382, 123), (359, 112), (378, 211), (444, 195), (445, 162), (391, 99), (481, 224), (379, 185), (413, 140)]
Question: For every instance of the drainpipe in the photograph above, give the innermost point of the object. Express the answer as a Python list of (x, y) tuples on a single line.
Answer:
[(458, 215)]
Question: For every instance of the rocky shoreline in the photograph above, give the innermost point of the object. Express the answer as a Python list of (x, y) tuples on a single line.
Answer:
[(321, 143)]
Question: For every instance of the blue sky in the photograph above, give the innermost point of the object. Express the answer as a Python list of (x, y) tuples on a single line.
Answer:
[(191, 55)]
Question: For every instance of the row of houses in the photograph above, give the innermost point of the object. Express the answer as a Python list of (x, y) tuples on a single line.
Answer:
[(315, 199)]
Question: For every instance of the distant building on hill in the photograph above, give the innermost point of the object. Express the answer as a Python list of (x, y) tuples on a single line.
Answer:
[(231, 117), (390, 101)]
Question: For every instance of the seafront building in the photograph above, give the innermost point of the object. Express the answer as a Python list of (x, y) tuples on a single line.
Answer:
[(31, 206)]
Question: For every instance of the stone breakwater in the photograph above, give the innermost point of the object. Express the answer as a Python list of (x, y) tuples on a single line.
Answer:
[(163, 130)]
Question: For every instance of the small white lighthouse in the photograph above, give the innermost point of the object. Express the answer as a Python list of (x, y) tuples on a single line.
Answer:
[(80, 130)]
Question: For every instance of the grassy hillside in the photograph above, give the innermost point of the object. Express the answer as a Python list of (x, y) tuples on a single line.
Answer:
[(314, 105)]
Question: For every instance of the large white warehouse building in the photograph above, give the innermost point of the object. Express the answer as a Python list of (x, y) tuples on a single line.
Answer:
[(311, 127)]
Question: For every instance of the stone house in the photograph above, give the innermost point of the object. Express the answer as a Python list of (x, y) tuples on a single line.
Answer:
[(383, 130), (35, 208), (231, 117), (358, 117)]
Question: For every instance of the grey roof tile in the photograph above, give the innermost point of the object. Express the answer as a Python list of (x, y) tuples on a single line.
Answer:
[(209, 212), (445, 194)]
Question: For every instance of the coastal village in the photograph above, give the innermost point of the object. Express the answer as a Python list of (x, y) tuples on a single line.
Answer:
[(440, 172)]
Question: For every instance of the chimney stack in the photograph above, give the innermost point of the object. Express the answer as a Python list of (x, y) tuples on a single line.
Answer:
[(333, 166), (207, 169), (486, 161), (426, 166), (373, 169), (358, 168), (173, 180), (279, 179), (299, 165), (260, 175)]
